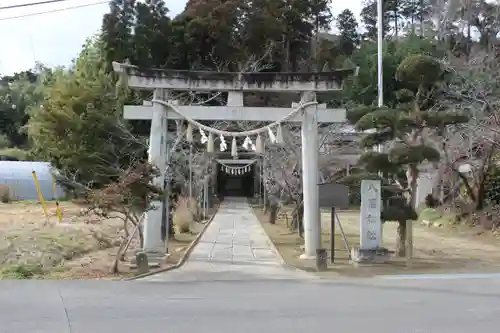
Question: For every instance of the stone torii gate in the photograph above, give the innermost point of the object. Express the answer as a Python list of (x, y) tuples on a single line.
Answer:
[(161, 81)]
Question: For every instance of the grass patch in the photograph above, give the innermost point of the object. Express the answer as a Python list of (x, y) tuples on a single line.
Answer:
[(83, 248), (46, 249), (96, 264), (432, 217), (429, 214), (31, 246), (289, 244), (21, 272), (178, 246), (435, 252)]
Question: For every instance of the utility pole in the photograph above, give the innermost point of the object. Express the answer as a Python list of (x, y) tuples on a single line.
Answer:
[(380, 50), (380, 74)]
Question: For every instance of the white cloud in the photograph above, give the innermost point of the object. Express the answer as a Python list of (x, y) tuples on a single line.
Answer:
[(55, 38)]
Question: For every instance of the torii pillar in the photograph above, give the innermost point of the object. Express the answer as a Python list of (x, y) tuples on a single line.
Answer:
[(307, 84)]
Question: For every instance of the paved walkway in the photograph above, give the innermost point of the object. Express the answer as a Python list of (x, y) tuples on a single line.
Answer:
[(234, 247)]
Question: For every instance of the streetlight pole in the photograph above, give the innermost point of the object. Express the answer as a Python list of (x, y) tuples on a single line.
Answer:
[(380, 73), (380, 42)]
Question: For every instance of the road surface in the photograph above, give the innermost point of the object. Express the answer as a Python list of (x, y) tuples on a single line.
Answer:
[(288, 306)]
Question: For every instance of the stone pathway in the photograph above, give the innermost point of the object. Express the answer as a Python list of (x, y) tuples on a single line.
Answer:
[(234, 247)]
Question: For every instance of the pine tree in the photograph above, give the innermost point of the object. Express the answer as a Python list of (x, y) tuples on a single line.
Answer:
[(369, 18), (404, 133), (152, 37), (348, 28), (417, 13), (117, 31)]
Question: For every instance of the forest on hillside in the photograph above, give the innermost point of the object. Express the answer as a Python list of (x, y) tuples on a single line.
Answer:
[(440, 74)]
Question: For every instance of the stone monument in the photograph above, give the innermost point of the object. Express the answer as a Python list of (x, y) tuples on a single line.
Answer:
[(370, 224)]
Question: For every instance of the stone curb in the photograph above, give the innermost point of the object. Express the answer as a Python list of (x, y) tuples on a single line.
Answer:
[(184, 258), (271, 243), (275, 249)]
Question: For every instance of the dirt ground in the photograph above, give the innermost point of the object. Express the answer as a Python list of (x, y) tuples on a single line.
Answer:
[(451, 249), (81, 247)]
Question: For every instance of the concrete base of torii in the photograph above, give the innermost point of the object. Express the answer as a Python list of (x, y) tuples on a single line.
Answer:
[(154, 246)]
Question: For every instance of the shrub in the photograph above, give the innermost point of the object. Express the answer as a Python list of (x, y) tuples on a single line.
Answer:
[(4, 141), (21, 272), (183, 215), (4, 193), (195, 209), (15, 154)]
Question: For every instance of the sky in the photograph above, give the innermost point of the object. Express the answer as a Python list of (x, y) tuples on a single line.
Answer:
[(55, 39)]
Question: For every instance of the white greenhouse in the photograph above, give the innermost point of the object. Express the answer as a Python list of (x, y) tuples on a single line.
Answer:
[(18, 176)]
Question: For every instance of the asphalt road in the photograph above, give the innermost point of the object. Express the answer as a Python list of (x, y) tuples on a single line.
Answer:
[(375, 306)]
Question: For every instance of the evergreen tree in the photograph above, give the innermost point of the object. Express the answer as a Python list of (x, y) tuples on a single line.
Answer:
[(76, 127), (416, 13), (403, 131), (18, 93), (152, 35), (348, 32), (394, 8), (369, 18), (363, 88), (116, 30)]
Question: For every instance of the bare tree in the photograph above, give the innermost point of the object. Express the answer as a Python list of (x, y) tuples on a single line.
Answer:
[(127, 199), (283, 166), (469, 149), (194, 154)]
